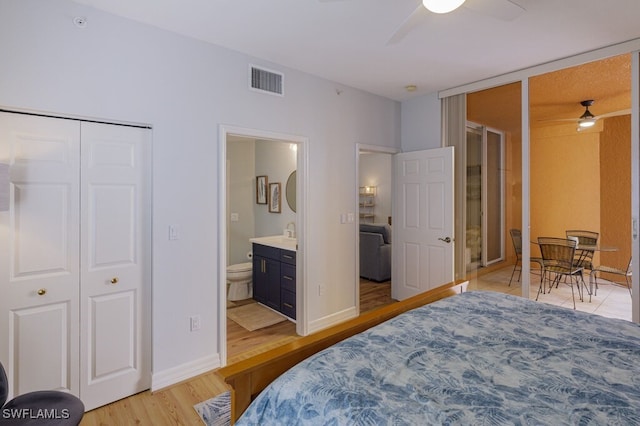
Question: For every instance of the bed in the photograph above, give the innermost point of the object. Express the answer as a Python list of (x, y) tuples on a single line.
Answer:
[(473, 358)]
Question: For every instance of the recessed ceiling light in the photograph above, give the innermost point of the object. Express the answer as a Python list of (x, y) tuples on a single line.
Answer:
[(410, 87)]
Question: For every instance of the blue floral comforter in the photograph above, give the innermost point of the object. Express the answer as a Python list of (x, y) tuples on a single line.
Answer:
[(477, 358)]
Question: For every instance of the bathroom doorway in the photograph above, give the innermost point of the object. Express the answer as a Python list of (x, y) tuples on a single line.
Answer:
[(262, 194)]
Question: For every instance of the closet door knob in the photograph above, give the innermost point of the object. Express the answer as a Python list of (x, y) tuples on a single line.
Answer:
[(114, 280), (42, 292)]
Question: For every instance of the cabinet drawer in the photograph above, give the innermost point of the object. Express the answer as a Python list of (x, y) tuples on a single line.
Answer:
[(288, 300), (287, 256), (266, 251), (288, 277)]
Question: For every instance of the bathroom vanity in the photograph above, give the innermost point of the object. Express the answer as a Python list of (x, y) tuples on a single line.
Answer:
[(274, 273)]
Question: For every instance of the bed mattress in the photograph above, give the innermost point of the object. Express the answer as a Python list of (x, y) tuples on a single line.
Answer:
[(475, 358)]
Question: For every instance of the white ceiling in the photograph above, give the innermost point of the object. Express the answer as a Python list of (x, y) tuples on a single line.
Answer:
[(346, 40)]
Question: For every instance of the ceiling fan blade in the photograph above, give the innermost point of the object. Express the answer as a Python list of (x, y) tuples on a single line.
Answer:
[(503, 10), (414, 20), (549, 120), (614, 113), (597, 117)]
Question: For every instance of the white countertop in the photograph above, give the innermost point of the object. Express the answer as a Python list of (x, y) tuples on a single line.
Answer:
[(278, 241)]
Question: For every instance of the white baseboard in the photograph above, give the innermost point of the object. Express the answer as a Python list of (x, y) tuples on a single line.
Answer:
[(185, 371), (332, 319)]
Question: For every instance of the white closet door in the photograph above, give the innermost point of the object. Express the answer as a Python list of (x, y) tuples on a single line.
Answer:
[(39, 240), (115, 263)]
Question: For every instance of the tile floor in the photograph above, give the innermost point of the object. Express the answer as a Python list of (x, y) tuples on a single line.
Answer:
[(613, 301)]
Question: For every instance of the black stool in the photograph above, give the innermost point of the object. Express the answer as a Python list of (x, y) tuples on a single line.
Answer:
[(39, 408)]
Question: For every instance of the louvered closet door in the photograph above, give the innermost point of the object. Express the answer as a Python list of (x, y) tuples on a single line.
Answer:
[(115, 263), (39, 256)]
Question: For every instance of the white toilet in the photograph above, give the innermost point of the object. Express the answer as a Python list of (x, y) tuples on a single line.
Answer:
[(239, 281)]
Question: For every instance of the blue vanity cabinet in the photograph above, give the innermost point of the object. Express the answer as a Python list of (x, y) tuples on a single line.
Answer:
[(288, 283), (266, 275), (274, 278)]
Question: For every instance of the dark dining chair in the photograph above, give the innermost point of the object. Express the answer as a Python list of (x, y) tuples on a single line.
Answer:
[(626, 273), (38, 408), (559, 259), (584, 238), (516, 239)]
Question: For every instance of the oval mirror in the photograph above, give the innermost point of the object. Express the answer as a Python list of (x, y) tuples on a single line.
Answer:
[(291, 191)]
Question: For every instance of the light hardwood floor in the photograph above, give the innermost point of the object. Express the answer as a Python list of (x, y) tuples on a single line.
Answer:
[(174, 405)]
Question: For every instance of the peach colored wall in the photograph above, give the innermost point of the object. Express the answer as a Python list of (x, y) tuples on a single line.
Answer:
[(565, 180), (615, 176)]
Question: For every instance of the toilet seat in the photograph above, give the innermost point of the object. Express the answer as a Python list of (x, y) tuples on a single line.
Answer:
[(239, 281), (240, 267)]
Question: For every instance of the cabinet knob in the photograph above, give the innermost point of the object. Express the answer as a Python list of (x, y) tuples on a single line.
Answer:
[(114, 280), (42, 292)]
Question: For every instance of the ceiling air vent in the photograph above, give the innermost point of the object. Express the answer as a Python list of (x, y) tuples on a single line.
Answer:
[(266, 81)]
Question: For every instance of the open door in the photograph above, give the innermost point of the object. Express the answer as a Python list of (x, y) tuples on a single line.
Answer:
[(423, 221)]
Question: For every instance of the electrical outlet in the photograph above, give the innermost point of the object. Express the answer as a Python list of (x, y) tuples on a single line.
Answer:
[(194, 323), (321, 289)]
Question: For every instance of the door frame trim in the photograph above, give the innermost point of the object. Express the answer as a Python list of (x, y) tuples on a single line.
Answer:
[(302, 200), (360, 148)]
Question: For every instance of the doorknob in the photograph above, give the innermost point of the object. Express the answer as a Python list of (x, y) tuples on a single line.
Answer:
[(446, 240), (114, 280)]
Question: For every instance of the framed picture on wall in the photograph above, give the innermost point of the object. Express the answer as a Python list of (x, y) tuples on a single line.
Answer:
[(275, 198), (261, 190)]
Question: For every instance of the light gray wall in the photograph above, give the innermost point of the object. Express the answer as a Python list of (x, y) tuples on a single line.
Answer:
[(248, 158), (276, 160), (420, 118), (375, 170), (116, 69), (241, 187)]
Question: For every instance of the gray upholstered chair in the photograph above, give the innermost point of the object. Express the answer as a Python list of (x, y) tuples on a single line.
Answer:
[(375, 251), (39, 408)]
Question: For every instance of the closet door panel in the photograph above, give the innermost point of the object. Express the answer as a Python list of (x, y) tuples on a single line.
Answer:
[(115, 275), (50, 323), (113, 338), (40, 244), (39, 265), (112, 234)]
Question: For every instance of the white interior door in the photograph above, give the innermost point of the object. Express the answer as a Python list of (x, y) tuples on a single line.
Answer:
[(39, 253), (423, 246), (115, 266)]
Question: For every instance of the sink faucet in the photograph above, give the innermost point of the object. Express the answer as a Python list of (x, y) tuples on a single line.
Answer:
[(290, 233)]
